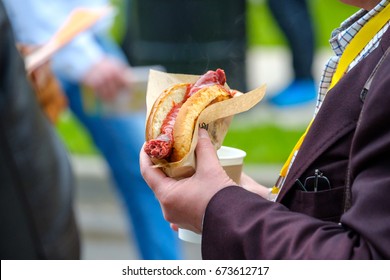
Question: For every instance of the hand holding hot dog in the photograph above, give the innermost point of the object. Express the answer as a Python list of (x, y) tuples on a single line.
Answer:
[(184, 202), (174, 113)]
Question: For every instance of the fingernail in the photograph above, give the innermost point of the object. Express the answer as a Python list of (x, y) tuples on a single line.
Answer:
[(203, 133)]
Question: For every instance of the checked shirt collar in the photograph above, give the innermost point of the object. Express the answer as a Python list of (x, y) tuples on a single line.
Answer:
[(341, 37)]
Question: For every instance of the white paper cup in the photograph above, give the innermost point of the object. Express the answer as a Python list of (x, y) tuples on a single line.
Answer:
[(232, 160), (189, 236)]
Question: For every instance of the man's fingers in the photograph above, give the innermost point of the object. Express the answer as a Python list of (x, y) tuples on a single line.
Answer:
[(175, 227), (205, 152), (153, 176)]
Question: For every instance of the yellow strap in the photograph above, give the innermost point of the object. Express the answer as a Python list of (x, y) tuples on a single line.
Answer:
[(285, 167), (283, 171), (361, 39)]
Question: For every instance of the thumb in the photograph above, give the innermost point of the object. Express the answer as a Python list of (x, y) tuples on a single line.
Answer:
[(206, 155)]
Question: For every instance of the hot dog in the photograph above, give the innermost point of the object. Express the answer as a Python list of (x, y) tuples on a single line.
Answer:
[(171, 123)]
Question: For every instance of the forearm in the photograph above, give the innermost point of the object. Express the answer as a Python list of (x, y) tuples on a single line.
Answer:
[(253, 186)]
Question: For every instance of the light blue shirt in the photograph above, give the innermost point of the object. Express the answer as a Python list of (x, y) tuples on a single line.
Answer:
[(35, 21)]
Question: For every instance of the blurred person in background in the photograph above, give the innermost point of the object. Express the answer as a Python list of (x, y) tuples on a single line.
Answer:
[(189, 37), (92, 60), (36, 190), (294, 20), (331, 200)]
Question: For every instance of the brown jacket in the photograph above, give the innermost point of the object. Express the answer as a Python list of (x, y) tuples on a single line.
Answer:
[(351, 132)]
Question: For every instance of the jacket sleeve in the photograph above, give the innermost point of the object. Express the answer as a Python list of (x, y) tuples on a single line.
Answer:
[(241, 225)]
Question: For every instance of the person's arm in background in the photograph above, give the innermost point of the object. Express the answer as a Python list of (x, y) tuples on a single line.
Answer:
[(82, 60)]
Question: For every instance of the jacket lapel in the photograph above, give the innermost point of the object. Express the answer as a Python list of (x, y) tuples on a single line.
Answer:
[(332, 124)]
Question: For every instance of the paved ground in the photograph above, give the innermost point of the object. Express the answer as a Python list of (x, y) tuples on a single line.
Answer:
[(101, 219)]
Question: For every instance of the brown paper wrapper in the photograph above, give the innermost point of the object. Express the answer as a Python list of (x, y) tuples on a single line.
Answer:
[(47, 88), (216, 118)]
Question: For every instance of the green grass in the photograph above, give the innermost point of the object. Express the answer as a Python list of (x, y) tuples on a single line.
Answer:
[(75, 137), (266, 143), (326, 14)]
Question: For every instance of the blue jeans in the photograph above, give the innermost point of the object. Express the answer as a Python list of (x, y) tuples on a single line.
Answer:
[(119, 139), (294, 19)]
